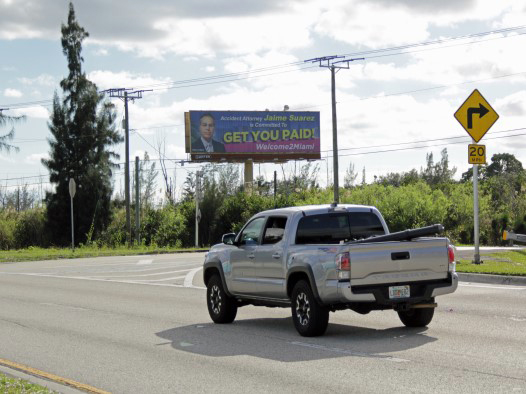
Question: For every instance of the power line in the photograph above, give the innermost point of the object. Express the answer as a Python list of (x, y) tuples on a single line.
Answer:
[(440, 41), (443, 47), (489, 136), (426, 146), (208, 80), (424, 141)]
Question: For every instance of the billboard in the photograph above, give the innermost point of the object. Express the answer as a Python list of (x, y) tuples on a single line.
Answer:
[(257, 135)]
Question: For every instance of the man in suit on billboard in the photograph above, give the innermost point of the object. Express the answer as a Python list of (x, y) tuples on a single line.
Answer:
[(205, 142)]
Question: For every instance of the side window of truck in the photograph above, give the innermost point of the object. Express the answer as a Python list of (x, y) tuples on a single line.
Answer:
[(365, 225), (252, 232), (323, 229), (274, 230)]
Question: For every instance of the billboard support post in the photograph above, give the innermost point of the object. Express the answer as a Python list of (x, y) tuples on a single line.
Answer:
[(249, 176), (275, 188)]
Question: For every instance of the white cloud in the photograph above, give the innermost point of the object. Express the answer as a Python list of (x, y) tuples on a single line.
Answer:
[(36, 158), (33, 112), (7, 159), (101, 52), (512, 105), (12, 93), (124, 79), (42, 80)]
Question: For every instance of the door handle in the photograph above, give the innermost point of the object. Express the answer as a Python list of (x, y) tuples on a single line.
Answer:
[(276, 255), (251, 256)]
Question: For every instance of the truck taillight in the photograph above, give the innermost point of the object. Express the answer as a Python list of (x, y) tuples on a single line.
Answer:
[(343, 264), (451, 258)]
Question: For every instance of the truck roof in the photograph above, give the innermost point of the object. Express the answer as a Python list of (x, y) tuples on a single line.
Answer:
[(319, 209)]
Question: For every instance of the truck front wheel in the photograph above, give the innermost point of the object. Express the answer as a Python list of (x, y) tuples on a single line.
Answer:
[(222, 309), (310, 318), (417, 317)]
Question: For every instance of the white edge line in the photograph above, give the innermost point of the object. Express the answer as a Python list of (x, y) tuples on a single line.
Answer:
[(484, 286)]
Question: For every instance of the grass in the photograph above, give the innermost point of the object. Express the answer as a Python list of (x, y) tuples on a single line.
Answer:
[(35, 254), (19, 386), (511, 262)]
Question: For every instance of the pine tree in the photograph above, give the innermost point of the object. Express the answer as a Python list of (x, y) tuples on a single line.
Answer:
[(82, 125), (4, 120)]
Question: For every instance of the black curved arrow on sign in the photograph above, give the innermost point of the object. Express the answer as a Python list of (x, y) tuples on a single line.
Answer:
[(481, 110)]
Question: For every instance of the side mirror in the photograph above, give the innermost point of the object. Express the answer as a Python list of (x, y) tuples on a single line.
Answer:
[(228, 238)]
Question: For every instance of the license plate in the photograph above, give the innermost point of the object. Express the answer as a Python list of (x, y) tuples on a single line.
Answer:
[(399, 292)]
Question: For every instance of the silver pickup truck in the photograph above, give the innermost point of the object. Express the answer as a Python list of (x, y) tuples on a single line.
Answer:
[(317, 259)]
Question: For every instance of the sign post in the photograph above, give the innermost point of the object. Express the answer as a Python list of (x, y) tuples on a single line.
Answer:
[(476, 116), (72, 191)]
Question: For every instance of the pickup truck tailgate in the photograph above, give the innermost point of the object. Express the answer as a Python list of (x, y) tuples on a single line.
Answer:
[(394, 262)]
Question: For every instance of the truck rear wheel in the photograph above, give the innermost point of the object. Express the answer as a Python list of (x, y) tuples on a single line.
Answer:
[(420, 317), (222, 309), (310, 318)]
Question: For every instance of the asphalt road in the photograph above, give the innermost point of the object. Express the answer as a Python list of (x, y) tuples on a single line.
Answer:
[(139, 324)]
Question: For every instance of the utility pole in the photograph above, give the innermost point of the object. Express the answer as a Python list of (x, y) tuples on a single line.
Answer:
[(137, 202), (198, 199), (126, 95), (334, 65)]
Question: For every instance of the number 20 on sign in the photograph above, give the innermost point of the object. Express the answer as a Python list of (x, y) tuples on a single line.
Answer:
[(476, 154)]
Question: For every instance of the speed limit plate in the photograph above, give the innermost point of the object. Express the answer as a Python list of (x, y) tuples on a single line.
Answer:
[(477, 154)]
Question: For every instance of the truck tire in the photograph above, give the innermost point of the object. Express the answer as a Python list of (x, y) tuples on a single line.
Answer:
[(222, 309), (417, 317), (310, 318)]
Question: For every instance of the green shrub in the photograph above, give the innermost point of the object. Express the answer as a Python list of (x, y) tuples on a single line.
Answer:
[(171, 228), (150, 225), (7, 230), (115, 234), (29, 228)]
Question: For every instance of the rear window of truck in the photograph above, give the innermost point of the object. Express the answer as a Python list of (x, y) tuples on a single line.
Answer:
[(335, 227)]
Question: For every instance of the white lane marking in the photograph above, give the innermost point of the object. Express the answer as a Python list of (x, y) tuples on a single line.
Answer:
[(157, 267), (189, 279), (495, 248), (159, 280), (139, 276), (349, 352), (105, 280), (484, 286), (64, 306), (194, 259), (144, 262)]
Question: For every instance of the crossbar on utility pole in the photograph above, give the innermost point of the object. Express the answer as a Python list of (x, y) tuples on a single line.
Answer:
[(334, 65), (126, 95)]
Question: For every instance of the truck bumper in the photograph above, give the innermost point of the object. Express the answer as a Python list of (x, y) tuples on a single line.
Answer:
[(419, 291)]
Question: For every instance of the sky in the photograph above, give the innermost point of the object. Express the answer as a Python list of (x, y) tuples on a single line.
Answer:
[(422, 59)]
